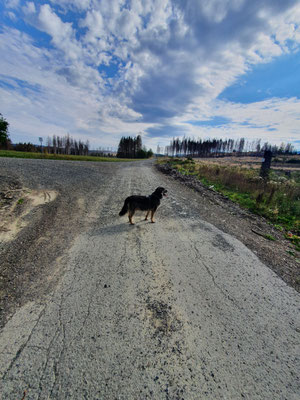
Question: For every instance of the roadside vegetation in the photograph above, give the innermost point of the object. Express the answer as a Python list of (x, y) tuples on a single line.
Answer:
[(23, 154), (277, 199)]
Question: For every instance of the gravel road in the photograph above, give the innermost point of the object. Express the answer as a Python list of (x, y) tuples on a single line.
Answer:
[(94, 308)]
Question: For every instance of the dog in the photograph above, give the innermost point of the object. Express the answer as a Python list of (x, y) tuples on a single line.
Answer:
[(143, 203)]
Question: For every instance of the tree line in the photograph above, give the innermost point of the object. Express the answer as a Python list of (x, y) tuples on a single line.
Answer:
[(55, 145), (131, 147), (218, 147), (67, 145)]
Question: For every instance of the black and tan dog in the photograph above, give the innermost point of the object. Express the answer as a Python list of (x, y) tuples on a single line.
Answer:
[(143, 203)]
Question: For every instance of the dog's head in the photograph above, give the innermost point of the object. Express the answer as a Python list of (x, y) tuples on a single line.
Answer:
[(160, 191)]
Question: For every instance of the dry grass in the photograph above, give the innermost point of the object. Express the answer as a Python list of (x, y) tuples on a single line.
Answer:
[(277, 199), (278, 163)]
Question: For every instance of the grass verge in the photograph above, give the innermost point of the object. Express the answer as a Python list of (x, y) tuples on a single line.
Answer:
[(278, 200), (21, 154)]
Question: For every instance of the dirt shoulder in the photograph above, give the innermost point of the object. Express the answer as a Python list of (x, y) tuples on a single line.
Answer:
[(250, 229), (32, 241), (43, 207)]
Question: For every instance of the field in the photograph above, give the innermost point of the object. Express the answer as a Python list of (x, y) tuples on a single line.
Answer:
[(238, 178), (283, 163), (21, 154)]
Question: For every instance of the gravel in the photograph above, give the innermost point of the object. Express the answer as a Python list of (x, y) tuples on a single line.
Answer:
[(96, 308), (247, 227)]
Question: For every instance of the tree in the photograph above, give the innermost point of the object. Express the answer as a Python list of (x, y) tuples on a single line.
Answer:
[(138, 143), (241, 145), (149, 153), (132, 148), (4, 138), (54, 144)]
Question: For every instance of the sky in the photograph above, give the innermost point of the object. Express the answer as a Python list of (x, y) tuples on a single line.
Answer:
[(103, 69)]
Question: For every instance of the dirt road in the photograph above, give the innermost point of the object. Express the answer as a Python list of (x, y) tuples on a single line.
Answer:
[(172, 310)]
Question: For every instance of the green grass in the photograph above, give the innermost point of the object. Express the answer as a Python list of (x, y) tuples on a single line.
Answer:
[(277, 200), (269, 237), (21, 154)]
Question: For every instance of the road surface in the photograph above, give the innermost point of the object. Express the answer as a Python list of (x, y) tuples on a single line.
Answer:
[(171, 310)]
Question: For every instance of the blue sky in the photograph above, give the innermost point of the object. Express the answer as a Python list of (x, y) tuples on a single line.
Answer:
[(278, 78), (99, 70)]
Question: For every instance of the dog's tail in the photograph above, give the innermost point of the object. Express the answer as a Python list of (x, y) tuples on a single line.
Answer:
[(124, 209)]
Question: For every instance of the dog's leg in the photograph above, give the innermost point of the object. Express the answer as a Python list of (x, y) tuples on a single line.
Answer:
[(152, 216), (130, 215), (147, 215)]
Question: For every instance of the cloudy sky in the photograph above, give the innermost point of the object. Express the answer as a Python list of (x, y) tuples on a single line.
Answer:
[(102, 69)]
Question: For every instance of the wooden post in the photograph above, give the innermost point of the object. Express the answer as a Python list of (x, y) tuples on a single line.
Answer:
[(266, 164)]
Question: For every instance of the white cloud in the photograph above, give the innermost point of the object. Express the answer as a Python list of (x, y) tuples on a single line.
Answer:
[(94, 22), (12, 16), (79, 4), (287, 29), (63, 36), (166, 61), (46, 103), (127, 24), (29, 8), (12, 3), (216, 11)]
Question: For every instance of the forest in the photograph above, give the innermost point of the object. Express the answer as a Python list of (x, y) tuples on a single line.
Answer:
[(219, 147), (131, 147)]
